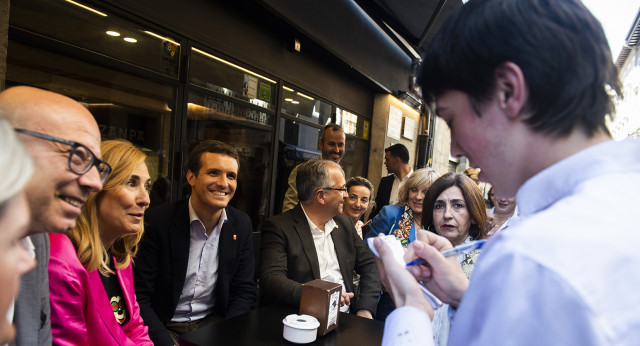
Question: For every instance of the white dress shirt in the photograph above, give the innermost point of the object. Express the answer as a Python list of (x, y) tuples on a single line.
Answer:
[(327, 258), (395, 187), (407, 326), (197, 297), (567, 273)]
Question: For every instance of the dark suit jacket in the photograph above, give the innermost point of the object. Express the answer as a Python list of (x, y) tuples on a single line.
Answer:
[(288, 258), (383, 194), (32, 309), (160, 266)]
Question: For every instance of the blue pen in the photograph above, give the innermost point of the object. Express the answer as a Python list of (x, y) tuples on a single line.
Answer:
[(464, 248)]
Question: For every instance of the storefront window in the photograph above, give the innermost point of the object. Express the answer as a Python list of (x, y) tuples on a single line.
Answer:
[(300, 105), (128, 73), (352, 124), (96, 29), (353, 161), (125, 106), (225, 77), (253, 142), (297, 143)]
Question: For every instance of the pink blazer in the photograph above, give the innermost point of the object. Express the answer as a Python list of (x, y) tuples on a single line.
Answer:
[(80, 310)]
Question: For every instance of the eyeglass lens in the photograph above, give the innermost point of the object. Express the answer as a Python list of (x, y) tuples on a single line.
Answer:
[(81, 160)]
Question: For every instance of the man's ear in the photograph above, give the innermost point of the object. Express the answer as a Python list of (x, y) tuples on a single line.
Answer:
[(319, 196), (191, 178), (511, 88)]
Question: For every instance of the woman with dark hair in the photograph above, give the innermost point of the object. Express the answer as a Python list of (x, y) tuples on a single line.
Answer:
[(90, 279), (458, 209), (358, 201), (458, 213)]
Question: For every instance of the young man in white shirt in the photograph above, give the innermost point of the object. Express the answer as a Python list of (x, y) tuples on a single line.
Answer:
[(534, 121)]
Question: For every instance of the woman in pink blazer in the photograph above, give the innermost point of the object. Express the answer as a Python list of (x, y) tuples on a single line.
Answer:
[(90, 280)]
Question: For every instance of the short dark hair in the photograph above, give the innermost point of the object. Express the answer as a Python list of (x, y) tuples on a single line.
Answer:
[(400, 151), (565, 90), (333, 127), (472, 198), (209, 146)]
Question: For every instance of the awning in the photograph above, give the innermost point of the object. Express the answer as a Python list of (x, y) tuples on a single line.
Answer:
[(380, 39)]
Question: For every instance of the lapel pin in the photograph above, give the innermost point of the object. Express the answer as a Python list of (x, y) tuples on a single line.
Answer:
[(234, 237)]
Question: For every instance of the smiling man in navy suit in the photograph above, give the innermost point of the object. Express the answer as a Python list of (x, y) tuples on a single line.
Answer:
[(196, 265)]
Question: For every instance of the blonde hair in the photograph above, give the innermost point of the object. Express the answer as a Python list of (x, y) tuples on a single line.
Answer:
[(124, 158), (420, 177)]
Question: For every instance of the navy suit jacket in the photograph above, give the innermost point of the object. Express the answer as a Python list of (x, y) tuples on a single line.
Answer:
[(160, 266), (288, 258), (383, 194)]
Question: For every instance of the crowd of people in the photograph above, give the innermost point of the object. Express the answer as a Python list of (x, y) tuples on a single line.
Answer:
[(97, 267), (109, 269)]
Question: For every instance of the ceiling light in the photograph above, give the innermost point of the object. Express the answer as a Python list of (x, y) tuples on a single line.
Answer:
[(232, 64), (288, 99), (295, 102), (161, 37), (86, 8), (113, 33), (287, 88), (130, 39), (305, 96)]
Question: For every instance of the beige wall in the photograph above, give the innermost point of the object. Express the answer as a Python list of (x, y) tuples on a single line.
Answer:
[(379, 139), (441, 146)]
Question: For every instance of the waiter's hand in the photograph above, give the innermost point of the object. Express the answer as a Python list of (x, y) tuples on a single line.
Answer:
[(400, 284), (443, 276)]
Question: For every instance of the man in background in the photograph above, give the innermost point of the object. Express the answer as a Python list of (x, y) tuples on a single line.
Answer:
[(396, 159), (331, 144)]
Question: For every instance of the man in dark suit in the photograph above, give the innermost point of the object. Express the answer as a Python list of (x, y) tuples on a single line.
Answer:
[(315, 240), (195, 265), (396, 159), (56, 191)]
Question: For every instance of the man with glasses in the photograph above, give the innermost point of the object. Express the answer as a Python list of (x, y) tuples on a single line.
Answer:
[(64, 141), (315, 240)]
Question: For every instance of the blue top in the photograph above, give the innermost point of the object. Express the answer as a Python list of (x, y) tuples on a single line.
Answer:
[(388, 220)]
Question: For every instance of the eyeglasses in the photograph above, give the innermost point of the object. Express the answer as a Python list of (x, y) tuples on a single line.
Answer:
[(81, 158), (342, 189)]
